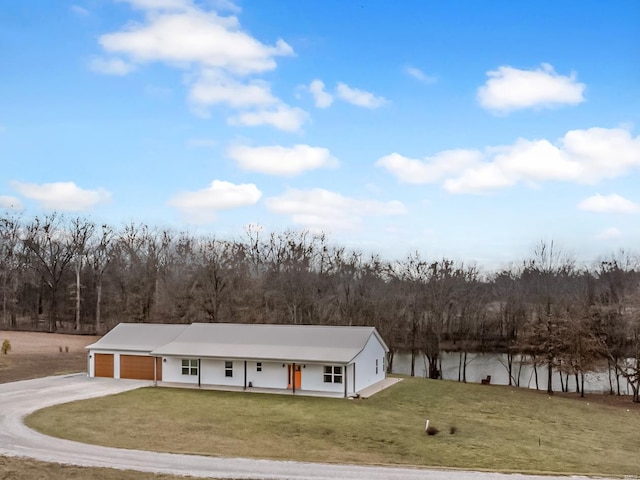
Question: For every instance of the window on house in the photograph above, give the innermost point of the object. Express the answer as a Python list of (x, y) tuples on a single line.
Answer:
[(376, 366), (228, 369), (332, 374), (259, 366), (189, 366)]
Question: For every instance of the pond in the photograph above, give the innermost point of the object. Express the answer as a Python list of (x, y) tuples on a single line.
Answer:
[(481, 365)]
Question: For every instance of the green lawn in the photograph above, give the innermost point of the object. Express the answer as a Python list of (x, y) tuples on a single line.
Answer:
[(498, 428), (26, 469)]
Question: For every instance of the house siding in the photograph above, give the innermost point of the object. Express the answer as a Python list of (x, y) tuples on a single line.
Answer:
[(365, 364), (273, 375), (172, 371), (313, 379)]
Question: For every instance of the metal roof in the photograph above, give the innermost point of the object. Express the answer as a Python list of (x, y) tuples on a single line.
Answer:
[(142, 337), (301, 343)]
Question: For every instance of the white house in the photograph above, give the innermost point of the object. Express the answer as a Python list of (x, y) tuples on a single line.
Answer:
[(302, 358)]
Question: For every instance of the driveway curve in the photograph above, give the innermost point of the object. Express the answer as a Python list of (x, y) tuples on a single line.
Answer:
[(19, 399)]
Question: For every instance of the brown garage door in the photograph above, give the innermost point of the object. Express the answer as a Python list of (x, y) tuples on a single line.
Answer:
[(138, 367), (104, 365)]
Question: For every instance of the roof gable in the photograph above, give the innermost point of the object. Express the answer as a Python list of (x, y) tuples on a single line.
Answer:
[(142, 337)]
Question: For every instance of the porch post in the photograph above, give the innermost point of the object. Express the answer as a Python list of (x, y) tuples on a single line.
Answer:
[(245, 374), (155, 372), (354, 379), (346, 380)]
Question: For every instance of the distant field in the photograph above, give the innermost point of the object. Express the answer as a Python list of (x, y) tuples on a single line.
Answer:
[(497, 428), (35, 354)]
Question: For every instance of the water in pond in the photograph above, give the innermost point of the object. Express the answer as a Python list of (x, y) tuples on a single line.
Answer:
[(481, 365)]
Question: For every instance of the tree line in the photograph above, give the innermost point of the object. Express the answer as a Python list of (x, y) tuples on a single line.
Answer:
[(68, 274)]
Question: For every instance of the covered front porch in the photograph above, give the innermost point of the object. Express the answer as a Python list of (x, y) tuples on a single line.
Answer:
[(364, 393), (292, 377), (233, 388)]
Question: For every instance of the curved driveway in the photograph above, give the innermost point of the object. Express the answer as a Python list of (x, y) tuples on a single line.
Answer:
[(21, 398)]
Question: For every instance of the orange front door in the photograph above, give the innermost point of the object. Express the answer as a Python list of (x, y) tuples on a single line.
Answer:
[(295, 377)]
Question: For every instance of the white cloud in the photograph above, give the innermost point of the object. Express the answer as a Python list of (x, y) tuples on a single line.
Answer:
[(361, 98), (278, 160), (212, 87), (613, 203), (611, 233), (420, 75), (509, 89), (323, 210), (194, 37), (254, 98), (321, 97), (201, 206), (581, 156), (218, 56), (78, 10), (62, 195), (110, 66), (431, 169), (282, 117), (10, 203)]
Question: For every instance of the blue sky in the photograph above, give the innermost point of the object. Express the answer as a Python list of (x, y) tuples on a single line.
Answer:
[(465, 129)]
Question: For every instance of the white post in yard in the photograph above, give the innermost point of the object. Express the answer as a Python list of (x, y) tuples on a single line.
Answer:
[(426, 427)]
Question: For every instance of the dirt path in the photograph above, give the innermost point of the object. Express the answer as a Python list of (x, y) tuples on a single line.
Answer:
[(20, 398)]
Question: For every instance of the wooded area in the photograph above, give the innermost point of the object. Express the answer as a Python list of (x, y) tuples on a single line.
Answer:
[(68, 274)]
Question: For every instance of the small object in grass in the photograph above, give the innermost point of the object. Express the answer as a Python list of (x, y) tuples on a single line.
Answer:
[(453, 429), (66, 349), (426, 426), (60, 348), (432, 431), (6, 346)]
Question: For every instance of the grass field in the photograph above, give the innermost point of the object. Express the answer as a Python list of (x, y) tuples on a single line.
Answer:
[(498, 428), (37, 354), (24, 469)]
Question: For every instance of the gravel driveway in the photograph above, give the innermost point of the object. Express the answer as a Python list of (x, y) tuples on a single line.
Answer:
[(21, 398)]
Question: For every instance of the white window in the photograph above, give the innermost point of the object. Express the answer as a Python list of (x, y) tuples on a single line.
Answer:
[(376, 366), (228, 369), (189, 366), (259, 367), (332, 374)]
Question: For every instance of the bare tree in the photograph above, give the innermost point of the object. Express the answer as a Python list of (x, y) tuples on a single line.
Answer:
[(99, 256), (53, 250), (81, 232), (509, 293), (10, 266)]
